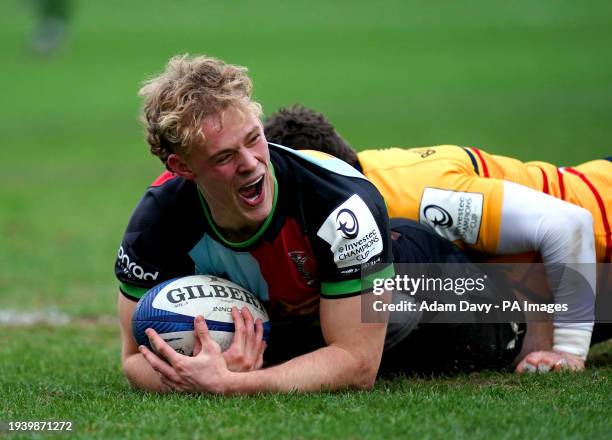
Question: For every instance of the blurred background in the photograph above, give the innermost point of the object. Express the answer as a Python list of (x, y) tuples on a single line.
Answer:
[(527, 78)]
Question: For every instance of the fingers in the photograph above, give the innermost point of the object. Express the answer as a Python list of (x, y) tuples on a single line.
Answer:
[(545, 361), (170, 384), (162, 347), (248, 323), (238, 340), (259, 330), (568, 362), (536, 362), (201, 373), (246, 351), (561, 364), (261, 344), (260, 358), (207, 343), (251, 341), (166, 372)]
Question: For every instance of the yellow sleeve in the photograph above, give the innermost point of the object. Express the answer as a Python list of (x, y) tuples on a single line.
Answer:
[(440, 186), (465, 209)]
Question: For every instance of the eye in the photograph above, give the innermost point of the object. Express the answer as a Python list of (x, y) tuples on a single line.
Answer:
[(223, 158), (255, 138)]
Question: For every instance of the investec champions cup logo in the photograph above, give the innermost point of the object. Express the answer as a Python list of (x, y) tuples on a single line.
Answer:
[(347, 223), (352, 233), (438, 216), (455, 215)]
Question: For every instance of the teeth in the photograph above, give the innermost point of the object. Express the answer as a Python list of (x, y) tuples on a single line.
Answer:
[(253, 184), (251, 187)]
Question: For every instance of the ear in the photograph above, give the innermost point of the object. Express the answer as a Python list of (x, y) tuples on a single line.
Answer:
[(180, 167)]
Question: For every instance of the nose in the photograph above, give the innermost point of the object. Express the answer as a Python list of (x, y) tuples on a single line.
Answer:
[(248, 160)]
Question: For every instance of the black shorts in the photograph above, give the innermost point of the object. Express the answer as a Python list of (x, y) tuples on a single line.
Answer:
[(445, 347), (454, 348)]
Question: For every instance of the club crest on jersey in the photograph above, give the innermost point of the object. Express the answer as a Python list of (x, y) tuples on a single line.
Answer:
[(455, 215), (352, 233), (301, 262)]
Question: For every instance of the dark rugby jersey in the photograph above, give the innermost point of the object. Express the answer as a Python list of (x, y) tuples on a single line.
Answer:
[(326, 221)]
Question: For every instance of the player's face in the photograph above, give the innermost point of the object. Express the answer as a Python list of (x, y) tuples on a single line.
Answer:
[(233, 172)]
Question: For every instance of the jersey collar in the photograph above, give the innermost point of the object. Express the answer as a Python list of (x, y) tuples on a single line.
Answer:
[(257, 234)]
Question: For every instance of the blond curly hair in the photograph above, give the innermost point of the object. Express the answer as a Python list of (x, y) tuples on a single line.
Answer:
[(191, 89)]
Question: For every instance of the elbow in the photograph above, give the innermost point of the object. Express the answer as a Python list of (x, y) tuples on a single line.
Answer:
[(133, 373), (582, 244), (573, 233), (127, 372), (367, 382), (367, 371)]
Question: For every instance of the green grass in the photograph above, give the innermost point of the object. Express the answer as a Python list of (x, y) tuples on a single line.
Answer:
[(71, 373), (532, 79)]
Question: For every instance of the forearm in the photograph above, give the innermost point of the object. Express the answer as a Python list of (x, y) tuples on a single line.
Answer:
[(350, 360), (563, 235), (329, 368), (141, 376)]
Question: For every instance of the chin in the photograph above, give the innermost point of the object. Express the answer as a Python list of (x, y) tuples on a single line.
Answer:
[(260, 214)]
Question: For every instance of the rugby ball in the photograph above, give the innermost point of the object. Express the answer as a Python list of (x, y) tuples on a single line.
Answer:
[(170, 308)]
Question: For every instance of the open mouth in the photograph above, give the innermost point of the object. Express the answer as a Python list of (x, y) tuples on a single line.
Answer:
[(252, 192)]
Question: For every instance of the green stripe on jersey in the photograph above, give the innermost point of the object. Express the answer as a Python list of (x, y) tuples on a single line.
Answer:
[(136, 292), (355, 286)]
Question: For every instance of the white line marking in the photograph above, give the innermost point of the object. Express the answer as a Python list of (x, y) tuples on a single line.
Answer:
[(51, 317)]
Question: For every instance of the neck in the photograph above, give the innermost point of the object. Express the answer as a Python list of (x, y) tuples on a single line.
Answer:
[(238, 235)]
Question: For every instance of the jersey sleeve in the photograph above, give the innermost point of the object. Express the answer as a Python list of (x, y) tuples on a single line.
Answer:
[(346, 221), (468, 214), (349, 229), (354, 236), (442, 187), (152, 248)]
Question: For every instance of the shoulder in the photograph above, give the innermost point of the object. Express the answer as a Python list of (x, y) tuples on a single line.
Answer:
[(343, 213), (169, 198), (315, 160), (320, 178), (160, 232)]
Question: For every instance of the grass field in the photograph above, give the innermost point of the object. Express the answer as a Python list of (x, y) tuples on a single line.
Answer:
[(532, 79)]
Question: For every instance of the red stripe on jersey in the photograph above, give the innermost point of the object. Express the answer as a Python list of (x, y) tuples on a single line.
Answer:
[(163, 177), (485, 169), (561, 184), (544, 182), (288, 265), (602, 209)]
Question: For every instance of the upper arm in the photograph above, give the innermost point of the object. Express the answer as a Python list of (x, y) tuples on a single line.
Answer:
[(125, 309), (534, 221)]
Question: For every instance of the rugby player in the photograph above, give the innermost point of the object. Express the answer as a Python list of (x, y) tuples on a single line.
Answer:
[(487, 203), (271, 219)]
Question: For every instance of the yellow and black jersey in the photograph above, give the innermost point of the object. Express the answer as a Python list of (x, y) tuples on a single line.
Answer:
[(459, 191)]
